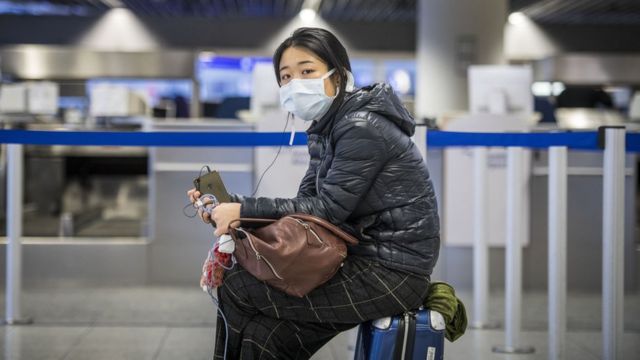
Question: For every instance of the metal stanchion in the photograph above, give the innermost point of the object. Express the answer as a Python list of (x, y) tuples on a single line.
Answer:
[(513, 254), (557, 275), (613, 244), (14, 234), (420, 139), (480, 246)]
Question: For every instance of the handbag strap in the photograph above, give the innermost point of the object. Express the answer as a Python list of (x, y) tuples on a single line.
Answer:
[(309, 218), (253, 220)]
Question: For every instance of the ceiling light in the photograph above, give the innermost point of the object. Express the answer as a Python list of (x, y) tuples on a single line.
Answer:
[(307, 15), (517, 18)]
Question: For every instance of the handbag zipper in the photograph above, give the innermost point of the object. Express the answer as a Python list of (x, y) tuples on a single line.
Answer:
[(308, 228), (260, 257)]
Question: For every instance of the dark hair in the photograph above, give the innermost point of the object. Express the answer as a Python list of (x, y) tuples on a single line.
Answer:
[(325, 46)]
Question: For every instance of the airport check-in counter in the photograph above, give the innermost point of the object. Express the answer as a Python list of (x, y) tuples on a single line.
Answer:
[(178, 244), (94, 244), (167, 248)]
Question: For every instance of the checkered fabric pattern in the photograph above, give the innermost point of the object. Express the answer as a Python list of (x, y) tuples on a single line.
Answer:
[(265, 323)]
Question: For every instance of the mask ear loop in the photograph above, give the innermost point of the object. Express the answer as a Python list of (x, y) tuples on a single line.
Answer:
[(351, 82), (349, 85), (329, 73)]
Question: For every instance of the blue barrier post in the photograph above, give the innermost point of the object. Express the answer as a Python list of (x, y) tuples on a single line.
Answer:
[(480, 246), (613, 244), (14, 235), (557, 276), (513, 254)]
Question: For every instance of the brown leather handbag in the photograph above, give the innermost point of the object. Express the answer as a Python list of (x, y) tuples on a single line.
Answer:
[(294, 254)]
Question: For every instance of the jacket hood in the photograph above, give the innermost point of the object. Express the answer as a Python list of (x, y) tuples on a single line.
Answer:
[(377, 98)]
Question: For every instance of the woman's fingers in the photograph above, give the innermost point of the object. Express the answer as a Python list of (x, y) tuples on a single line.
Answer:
[(205, 211), (204, 216), (223, 214), (221, 229), (193, 195), (221, 224)]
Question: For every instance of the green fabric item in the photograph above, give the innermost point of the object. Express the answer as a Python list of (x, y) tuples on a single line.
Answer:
[(442, 298)]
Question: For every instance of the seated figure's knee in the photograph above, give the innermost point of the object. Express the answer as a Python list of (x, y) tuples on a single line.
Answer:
[(256, 342), (268, 338), (235, 288)]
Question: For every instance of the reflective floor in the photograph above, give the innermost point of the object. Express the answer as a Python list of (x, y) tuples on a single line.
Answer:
[(71, 322)]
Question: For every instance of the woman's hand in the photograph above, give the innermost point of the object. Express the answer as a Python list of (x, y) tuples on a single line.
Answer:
[(222, 215), (194, 195)]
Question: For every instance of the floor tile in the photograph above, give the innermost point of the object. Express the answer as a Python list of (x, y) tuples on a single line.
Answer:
[(478, 344), (38, 342), (188, 344), (150, 305), (592, 342), (138, 343)]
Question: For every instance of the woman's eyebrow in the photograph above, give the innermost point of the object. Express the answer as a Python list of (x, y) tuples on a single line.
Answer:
[(300, 63)]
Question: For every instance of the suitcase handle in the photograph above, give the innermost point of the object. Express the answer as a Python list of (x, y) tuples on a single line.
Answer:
[(405, 340)]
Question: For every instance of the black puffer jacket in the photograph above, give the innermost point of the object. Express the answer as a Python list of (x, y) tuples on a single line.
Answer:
[(368, 177)]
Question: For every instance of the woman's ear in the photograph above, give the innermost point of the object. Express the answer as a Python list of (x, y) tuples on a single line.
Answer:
[(336, 79)]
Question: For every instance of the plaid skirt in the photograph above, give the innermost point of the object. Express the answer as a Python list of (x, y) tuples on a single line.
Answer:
[(265, 323)]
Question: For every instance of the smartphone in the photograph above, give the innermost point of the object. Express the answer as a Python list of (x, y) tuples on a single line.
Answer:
[(211, 183)]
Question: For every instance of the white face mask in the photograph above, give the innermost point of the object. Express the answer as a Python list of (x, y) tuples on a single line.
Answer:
[(306, 98)]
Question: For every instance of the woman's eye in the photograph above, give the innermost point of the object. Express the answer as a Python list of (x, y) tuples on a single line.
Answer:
[(284, 77), (307, 72)]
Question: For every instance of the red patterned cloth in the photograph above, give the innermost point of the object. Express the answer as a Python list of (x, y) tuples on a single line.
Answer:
[(213, 268)]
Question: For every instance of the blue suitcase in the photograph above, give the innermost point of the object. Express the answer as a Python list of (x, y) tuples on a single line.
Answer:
[(416, 335)]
